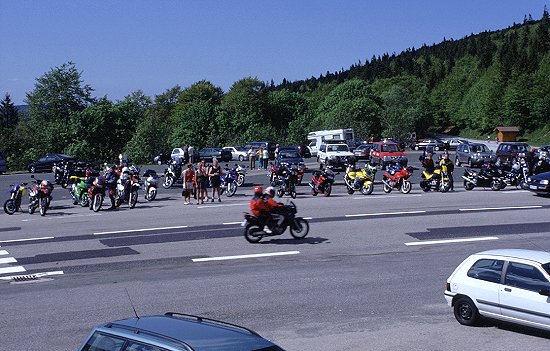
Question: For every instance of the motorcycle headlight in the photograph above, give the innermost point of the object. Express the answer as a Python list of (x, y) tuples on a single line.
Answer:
[(544, 182), (529, 179)]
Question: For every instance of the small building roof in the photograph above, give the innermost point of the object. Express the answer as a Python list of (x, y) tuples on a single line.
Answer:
[(507, 129)]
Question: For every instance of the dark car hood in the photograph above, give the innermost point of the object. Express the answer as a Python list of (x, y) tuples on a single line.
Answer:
[(541, 176), (291, 160)]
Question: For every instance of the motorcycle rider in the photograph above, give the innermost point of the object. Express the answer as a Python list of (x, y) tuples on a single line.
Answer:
[(428, 162), (445, 161), (272, 205), (110, 184), (259, 207)]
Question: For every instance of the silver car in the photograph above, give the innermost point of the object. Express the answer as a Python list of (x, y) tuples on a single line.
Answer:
[(473, 154)]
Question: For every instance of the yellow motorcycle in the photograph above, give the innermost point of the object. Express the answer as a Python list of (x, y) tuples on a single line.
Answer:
[(360, 180), (438, 180)]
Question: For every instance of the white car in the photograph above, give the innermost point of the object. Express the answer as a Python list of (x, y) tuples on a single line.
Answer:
[(177, 153), (508, 284), (238, 153)]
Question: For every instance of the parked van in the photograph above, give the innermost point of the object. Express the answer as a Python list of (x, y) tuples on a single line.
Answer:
[(319, 137)]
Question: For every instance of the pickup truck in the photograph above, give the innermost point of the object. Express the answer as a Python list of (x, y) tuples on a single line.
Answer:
[(334, 154)]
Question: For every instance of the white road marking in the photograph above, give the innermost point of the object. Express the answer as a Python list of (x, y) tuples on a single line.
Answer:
[(308, 218), (14, 269), (231, 223), (7, 260), (141, 230), (29, 239), (435, 242), (384, 213), (60, 217), (514, 191), (212, 206), (500, 208), (237, 257), (3, 252), (37, 275), (385, 196)]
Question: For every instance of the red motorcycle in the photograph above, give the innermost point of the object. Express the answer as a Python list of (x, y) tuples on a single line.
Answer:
[(97, 193), (397, 177), (321, 182), (40, 196), (301, 169)]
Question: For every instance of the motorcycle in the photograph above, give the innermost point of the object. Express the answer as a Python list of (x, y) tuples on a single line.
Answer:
[(79, 191), (13, 204), (489, 176), (360, 180), (286, 181), (273, 172), (229, 182), (517, 174), (241, 173), (253, 227), (150, 184), (437, 180), (96, 193), (397, 177), (171, 174), (542, 164), (127, 187), (40, 196), (301, 169), (321, 182)]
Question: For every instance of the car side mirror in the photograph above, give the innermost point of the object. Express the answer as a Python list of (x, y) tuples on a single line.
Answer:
[(544, 292)]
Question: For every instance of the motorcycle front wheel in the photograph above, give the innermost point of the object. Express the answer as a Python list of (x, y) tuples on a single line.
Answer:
[(132, 201), (151, 194), (293, 191), (43, 206), (240, 180), (445, 186), (32, 207), (231, 189), (468, 185), (252, 233), (387, 188), (84, 200), (367, 189), (299, 229), (406, 187), (496, 185), (328, 190), (168, 181), (280, 192), (97, 202), (9, 206)]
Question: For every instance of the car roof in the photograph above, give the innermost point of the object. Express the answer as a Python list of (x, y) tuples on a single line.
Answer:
[(198, 332), (532, 255)]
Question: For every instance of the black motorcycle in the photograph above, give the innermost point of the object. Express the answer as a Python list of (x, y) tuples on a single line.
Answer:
[(490, 176), (284, 218), (171, 174), (286, 181), (127, 188), (516, 174)]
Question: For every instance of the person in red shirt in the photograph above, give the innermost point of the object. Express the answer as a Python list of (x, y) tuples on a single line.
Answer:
[(259, 207)]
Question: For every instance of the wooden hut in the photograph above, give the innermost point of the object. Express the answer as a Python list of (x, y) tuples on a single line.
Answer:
[(507, 133)]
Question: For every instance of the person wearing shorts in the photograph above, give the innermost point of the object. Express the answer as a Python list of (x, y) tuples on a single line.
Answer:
[(215, 173), (200, 182), (188, 183)]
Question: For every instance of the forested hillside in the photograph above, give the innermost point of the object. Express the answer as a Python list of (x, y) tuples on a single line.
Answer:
[(474, 84)]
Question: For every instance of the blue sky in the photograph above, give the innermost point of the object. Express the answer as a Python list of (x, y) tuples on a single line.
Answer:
[(122, 46)]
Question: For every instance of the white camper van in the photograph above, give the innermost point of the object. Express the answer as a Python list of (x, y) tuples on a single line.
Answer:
[(317, 138)]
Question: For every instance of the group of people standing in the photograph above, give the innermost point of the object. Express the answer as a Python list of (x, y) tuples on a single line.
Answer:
[(262, 155), (196, 182)]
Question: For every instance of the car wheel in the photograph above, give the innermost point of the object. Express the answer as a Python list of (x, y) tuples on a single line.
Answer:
[(416, 148), (470, 164), (436, 148), (241, 158), (466, 312)]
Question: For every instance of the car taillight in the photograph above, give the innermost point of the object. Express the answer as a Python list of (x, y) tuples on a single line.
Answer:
[(448, 286)]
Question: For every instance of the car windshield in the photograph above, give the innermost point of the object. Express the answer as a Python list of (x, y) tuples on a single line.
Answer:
[(479, 148), (521, 148), (290, 155), (337, 148), (390, 148), (546, 267), (238, 148)]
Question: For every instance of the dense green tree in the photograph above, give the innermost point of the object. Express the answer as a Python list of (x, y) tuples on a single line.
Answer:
[(8, 114)]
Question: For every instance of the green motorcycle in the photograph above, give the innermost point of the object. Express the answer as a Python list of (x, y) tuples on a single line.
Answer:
[(79, 191)]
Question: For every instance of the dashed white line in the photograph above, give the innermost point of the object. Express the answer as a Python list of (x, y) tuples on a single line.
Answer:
[(231, 223), (384, 213), (141, 230), (499, 208), (449, 241), (7, 260), (61, 217), (15, 269), (212, 206), (514, 191), (28, 239), (385, 196), (237, 257)]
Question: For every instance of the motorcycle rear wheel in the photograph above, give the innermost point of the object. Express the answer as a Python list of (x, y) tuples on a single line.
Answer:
[(97, 202), (168, 182), (250, 233), (43, 206), (231, 189), (300, 228), (9, 207), (406, 187), (496, 185), (132, 201), (280, 192), (328, 190), (84, 200), (32, 208)]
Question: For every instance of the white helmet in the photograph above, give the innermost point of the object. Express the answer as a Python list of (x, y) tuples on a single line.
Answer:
[(125, 170), (270, 191)]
